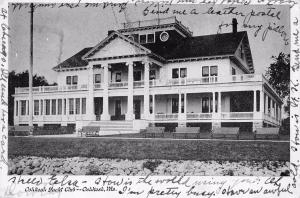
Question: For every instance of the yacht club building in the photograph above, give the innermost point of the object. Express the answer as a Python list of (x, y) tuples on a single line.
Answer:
[(156, 72)]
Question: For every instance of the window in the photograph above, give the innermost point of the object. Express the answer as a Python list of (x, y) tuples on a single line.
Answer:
[(241, 52), (74, 80), (174, 105), (47, 107), (118, 77), (183, 73), (150, 38), (17, 108), (209, 71), (143, 38), (69, 80), (97, 78), (175, 73), (137, 76), (59, 105), (205, 71), (23, 107), (71, 106), (214, 71), (152, 75), (83, 106), (36, 107), (77, 103), (233, 71), (53, 110), (182, 103)]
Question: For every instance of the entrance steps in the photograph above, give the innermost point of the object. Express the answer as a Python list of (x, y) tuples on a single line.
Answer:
[(114, 127)]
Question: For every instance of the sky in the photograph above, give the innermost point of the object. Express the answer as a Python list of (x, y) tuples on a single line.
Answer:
[(61, 32)]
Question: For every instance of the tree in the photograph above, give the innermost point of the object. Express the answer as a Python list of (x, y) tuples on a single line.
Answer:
[(278, 75), (20, 80)]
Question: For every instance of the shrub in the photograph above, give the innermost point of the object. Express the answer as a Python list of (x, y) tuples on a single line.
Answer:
[(151, 165)]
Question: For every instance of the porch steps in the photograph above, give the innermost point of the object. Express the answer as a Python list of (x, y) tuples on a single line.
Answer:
[(114, 127)]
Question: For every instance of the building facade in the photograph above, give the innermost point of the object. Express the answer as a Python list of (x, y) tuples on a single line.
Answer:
[(156, 72)]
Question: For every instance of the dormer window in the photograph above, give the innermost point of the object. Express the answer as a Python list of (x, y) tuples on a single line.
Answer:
[(147, 38)]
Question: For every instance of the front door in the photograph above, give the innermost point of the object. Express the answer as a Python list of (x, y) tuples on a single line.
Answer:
[(137, 109), (118, 109)]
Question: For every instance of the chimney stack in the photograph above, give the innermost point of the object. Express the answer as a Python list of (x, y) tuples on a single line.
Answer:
[(234, 25)]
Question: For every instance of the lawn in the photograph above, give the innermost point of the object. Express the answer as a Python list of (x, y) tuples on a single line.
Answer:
[(136, 149)]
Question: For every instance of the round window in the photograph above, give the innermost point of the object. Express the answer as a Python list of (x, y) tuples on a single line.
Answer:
[(131, 37), (164, 36)]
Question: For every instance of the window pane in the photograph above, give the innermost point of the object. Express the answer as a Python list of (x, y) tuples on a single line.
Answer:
[(182, 72), (36, 107), (205, 71), (53, 111), (71, 106), (83, 106), (118, 77), (23, 107), (97, 78), (77, 101), (152, 75), (68, 80), (233, 72), (47, 107), (142, 39), (213, 70), (175, 73), (75, 80), (137, 76), (150, 38), (205, 105), (59, 111)]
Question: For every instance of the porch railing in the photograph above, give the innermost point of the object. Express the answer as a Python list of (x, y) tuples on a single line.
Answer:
[(166, 116), (237, 115), (138, 83), (42, 89), (118, 84), (196, 116)]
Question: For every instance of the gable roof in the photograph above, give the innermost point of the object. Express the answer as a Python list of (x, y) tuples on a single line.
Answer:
[(75, 60), (111, 37), (201, 46), (190, 47)]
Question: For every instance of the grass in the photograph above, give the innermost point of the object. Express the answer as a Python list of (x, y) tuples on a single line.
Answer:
[(136, 149)]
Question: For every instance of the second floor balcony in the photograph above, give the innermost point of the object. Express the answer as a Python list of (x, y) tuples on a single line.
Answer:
[(152, 83)]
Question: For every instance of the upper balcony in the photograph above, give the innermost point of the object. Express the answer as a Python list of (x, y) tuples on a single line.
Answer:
[(153, 83)]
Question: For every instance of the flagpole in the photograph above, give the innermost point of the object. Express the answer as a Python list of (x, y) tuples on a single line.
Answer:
[(31, 68)]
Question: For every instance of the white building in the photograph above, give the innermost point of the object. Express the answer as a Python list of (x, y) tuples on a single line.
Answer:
[(156, 72)]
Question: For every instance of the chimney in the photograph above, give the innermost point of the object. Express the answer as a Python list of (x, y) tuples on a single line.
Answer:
[(234, 25)]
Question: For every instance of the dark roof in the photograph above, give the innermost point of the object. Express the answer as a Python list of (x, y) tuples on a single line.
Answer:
[(75, 61), (200, 46), (190, 47)]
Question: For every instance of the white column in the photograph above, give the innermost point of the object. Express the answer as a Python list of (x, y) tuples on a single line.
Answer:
[(267, 104), (179, 104), (129, 115), (56, 110), (67, 107), (185, 103), (27, 108), (153, 103), (105, 113), (15, 108), (44, 108), (254, 101), (219, 102), (261, 103), (214, 102), (90, 98), (62, 106), (146, 90)]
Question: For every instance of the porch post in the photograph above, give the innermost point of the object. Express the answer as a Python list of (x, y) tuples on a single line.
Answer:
[(254, 101), (90, 98), (129, 115), (153, 103), (67, 106), (105, 113), (214, 102), (267, 104), (185, 104), (146, 90), (179, 104), (219, 103), (261, 104)]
